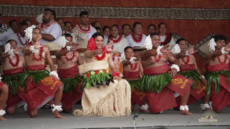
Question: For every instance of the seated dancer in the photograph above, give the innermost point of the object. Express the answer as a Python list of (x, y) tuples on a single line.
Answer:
[(159, 81), (39, 86), (104, 93), (218, 72), (3, 98), (189, 69), (13, 67), (68, 60), (132, 72)]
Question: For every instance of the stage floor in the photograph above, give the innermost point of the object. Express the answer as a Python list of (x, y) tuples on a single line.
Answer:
[(169, 119)]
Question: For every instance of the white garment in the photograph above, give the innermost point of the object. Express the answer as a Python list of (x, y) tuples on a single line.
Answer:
[(132, 43), (123, 36), (15, 37), (120, 46), (54, 30), (5, 35), (171, 43), (88, 35)]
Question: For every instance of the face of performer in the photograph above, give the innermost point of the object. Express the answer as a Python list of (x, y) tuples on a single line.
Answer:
[(36, 34), (99, 41), (47, 17), (84, 19), (183, 45), (70, 41), (126, 30), (68, 27), (151, 30), (162, 29), (61, 23), (129, 53), (114, 32), (13, 45), (107, 32), (138, 29), (14, 26), (220, 44), (156, 41)]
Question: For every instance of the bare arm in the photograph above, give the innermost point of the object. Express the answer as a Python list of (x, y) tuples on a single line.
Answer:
[(126, 62), (79, 60), (146, 54), (48, 37), (61, 53), (26, 51), (141, 69), (213, 55), (90, 54), (111, 64), (196, 68), (4, 56), (49, 59)]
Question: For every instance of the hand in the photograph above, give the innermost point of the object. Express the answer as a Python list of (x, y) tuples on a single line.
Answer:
[(165, 49), (191, 50), (17, 51), (109, 47), (54, 77), (202, 78), (137, 58), (75, 44), (73, 48), (117, 78), (38, 44), (173, 72), (227, 47)]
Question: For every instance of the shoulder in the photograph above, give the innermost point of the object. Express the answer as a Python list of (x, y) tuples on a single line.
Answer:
[(77, 53), (45, 48), (192, 56), (144, 36)]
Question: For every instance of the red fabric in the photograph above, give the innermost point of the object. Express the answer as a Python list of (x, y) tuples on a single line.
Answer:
[(13, 71), (138, 97), (161, 101), (68, 73), (220, 100), (131, 74), (157, 70), (34, 94), (187, 67), (69, 99), (167, 39)]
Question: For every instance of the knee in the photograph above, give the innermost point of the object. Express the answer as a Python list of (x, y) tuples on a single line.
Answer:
[(61, 87), (4, 89), (10, 112), (33, 115), (218, 111)]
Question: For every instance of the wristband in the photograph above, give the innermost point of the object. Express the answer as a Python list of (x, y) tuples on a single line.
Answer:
[(115, 74), (68, 48), (158, 50), (33, 49), (174, 66), (54, 73)]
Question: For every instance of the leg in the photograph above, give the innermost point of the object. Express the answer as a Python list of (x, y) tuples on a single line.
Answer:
[(11, 110), (184, 100), (205, 106), (4, 97), (33, 113), (58, 97), (67, 110)]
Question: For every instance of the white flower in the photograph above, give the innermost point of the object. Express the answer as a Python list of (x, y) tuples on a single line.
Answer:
[(176, 49), (212, 45), (39, 18), (7, 47), (148, 43), (62, 41), (122, 57), (28, 32)]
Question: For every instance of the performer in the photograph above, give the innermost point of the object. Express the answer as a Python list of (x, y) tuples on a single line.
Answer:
[(5, 32), (137, 38), (218, 72), (126, 30), (166, 38), (38, 86), (104, 94), (159, 81), (13, 67), (189, 69), (133, 71), (20, 37), (68, 60), (50, 28)]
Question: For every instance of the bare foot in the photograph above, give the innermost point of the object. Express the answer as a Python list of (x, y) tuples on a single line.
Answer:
[(185, 112), (2, 118), (57, 115), (207, 109), (143, 110)]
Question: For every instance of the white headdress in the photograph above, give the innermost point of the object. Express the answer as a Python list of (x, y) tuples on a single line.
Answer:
[(176, 49), (8, 50), (62, 41), (212, 45), (148, 42), (29, 31), (39, 18)]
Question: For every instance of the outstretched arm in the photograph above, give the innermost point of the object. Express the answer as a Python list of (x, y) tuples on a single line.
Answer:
[(49, 59), (146, 54), (184, 54), (113, 68)]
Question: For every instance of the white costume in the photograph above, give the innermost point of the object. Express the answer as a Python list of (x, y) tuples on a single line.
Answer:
[(21, 41), (5, 33), (53, 28), (118, 46), (172, 42), (132, 43), (123, 36)]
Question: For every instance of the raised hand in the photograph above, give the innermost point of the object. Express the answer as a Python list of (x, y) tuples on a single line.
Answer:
[(191, 50), (164, 49), (173, 72), (109, 47), (73, 48), (17, 50), (75, 44), (227, 47)]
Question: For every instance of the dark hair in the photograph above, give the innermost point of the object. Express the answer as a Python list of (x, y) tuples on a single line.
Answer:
[(83, 13), (97, 34), (93, 24), (105, 27), (180, 39), (151, 25), (65, 23), (162, 23), (51, 10), (23, 23), (27, 19), (125, 25), (98, 28), (220, 37), (153, 34), (10, 23), (135, 24), (11, 40), (127, 48), (115, 25), (59, 19), (0, 14), (68, 35)]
